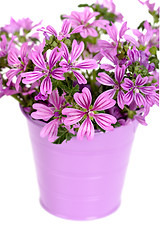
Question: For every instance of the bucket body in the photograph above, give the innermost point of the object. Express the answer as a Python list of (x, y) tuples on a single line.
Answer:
[(82, 180)]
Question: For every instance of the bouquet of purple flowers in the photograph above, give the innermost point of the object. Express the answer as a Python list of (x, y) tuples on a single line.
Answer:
[(91, 76)]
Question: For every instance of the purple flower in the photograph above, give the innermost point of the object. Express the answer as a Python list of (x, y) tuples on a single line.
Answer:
[(112, 8), (84, 100), (12, 27), (136, 91), (64, 33), (5, 46), (149, 5), (133, 54), (43, 69), (111, 47), (83, 18), (105, 79), (46, 113), (71, 64), (27, 24), (18, 65)]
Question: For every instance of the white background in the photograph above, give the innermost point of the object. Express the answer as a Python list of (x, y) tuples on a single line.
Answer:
[(21, 216)]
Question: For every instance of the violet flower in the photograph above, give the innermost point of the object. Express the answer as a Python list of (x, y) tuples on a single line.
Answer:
[(5, 46), (47, 113), (83, 18), (105, 79), (18, 65), (136, 91), (43, 69), (84, 100), (109, 4), (64, 33), (71, 64), (112, 31)]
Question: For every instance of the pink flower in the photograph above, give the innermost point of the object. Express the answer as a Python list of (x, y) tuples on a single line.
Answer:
[(112, 8), (71, 64), (83, 18), (105, 79), (136, 91), (46, 113), (84, 100), (64, 33), (111, 47), (44, 70), (18, 65), (5, 46)]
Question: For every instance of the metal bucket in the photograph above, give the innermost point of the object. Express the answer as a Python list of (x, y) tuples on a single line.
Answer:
[(82, 180)]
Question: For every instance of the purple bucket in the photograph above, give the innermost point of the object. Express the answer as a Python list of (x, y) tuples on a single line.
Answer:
[(82, 180)]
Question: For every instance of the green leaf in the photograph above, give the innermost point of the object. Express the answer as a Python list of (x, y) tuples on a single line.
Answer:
[(63, 134), (153, 50), (83, 5), (141, 25)]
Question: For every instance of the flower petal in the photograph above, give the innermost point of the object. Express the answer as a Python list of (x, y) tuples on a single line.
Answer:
[(65, 51), (103, 102), (80, 78), (54, 57), (56, 100), (120, 99), (50, 130), (119, 73), (105, 120), (86, 129), (46, 86), (76, 50), (128, 84), (105, 79), (112, 31), (31, 77), (38, 59), (58, 73), (87, 64), (139, 99), (128, 97), (73, 116), (83, 99), (43, 112), (141, 81)]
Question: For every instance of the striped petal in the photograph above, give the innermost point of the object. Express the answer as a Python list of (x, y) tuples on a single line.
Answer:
[(128, 84), (105, 120), (83, 99), (31, 77), (103, 102), (141, 81), (54, 57), (50, 130), (105, 79), (86, 129), (128, 97), (46, 86), (139, 99), (11, 74), (119, 73), (43, 112), (80, 78), (38, 59), (76, 50), (73, 116), (58, 73), (120, 99), (56, 100), (87, 64), (65, 51)]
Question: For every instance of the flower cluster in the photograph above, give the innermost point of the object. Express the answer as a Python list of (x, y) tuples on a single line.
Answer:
[(88, 76)]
